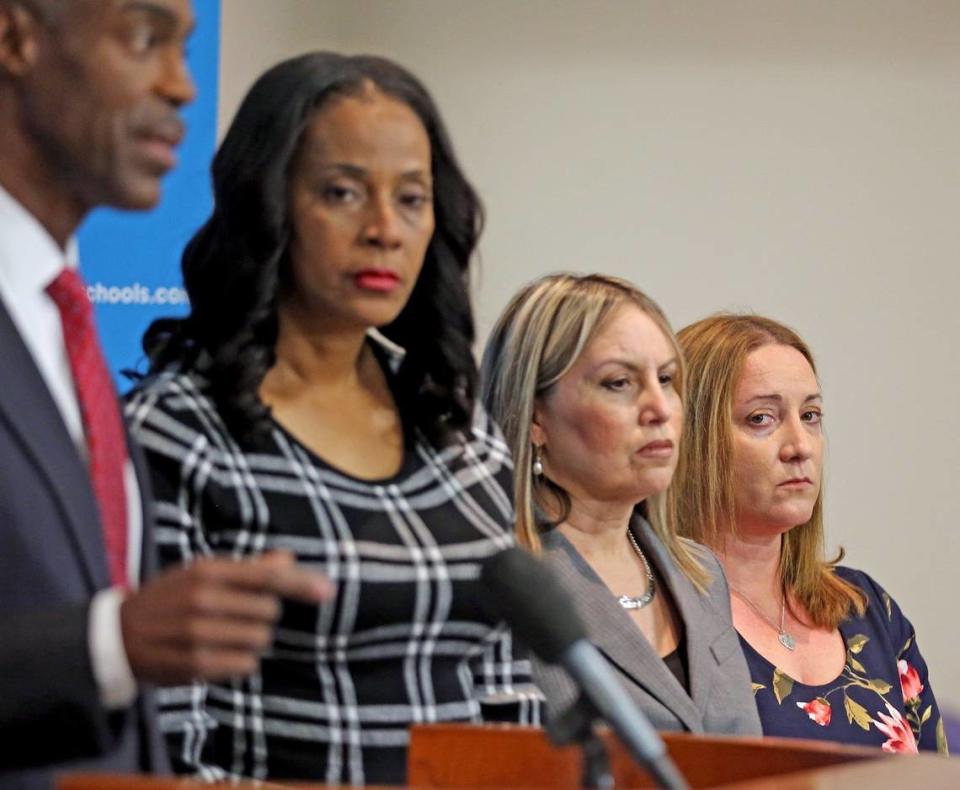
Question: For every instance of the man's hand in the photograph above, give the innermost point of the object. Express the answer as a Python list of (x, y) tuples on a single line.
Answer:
[(213, 619)]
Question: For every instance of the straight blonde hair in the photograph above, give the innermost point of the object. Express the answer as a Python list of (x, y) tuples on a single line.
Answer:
[(704, 489), (539, 337)]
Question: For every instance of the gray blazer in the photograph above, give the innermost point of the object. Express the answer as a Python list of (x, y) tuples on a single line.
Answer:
[(720, 698), (52, 561)]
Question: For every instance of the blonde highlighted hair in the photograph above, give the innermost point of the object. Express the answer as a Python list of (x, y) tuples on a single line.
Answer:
[(703, 493), (537, 339)]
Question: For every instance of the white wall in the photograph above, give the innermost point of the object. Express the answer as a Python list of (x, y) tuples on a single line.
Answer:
[(255, 34), (800, 159)]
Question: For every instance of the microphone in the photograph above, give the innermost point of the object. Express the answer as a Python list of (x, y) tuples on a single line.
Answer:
[(526, 594)]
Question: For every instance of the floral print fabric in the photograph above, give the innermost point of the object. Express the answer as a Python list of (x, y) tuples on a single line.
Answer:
[(882, 697)]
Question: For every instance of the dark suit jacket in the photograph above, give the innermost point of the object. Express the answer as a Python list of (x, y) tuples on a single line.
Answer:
[(52, 561), (720, 698)]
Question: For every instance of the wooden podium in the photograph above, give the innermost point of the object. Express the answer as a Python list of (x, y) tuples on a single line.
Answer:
[(506, 756), (502, 756)]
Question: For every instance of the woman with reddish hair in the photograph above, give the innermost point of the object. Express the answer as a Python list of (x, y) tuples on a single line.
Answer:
[(831, 655)]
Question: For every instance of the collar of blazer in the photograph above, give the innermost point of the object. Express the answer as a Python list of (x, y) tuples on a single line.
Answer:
[(616, 635), (28, 412)]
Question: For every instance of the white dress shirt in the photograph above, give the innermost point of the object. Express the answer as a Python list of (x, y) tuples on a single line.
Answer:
[(29, 261)]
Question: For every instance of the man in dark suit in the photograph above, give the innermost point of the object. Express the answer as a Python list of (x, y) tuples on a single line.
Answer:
[(90, 92)]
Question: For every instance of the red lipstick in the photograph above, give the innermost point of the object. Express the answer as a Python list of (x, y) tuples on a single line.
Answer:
[(377, 280)]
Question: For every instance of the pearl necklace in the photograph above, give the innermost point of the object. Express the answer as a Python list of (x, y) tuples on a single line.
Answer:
[(638, 602), (783, 637)]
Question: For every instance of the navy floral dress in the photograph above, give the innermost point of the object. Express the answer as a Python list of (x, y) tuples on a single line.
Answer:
[(881, 698)]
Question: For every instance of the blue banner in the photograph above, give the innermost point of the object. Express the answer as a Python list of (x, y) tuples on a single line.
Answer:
[(131, 260)]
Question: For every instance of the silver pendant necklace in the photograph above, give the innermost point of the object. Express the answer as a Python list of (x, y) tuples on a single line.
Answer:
[(638, 602), (783, 637)]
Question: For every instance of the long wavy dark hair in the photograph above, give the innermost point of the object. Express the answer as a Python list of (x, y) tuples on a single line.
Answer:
[(234, 266)]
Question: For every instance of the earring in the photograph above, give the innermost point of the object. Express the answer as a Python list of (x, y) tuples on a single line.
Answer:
[(537, 462)]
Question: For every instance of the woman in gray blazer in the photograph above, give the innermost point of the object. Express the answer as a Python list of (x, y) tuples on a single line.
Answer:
[(586, 379)]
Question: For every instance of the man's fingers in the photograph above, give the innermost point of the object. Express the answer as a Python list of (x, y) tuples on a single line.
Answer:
[(277, 558), (214, 633), (269, 574), (299, 584), (218, 600)]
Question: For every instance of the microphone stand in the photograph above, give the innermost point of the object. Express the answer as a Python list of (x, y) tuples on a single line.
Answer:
[(507, 579), (576, 725)]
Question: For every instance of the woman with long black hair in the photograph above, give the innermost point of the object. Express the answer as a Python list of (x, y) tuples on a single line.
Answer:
[(319, 398)]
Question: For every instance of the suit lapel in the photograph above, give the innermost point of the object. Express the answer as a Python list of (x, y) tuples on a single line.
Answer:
[(616, 635), (700, 623), (30, 413)]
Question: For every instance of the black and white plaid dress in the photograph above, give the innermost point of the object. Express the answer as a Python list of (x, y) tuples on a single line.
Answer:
[(406, 639)]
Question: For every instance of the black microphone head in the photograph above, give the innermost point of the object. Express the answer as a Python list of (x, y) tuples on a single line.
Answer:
[(527, 595)]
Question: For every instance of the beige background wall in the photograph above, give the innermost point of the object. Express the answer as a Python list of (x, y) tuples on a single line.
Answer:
[(800, 159)]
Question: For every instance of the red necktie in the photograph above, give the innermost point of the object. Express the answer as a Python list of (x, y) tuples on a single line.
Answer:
[(101, 415)]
